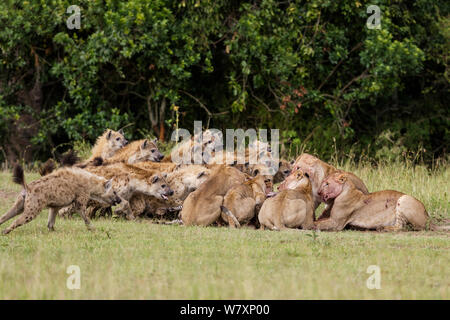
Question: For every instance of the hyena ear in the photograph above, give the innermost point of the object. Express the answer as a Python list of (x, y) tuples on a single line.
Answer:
[(108, 184), (108, 135), (164, 175), (155, 179), (280, 164), (155, 141), (144, 144), (201, 174), (121, 132), (292, 162), (247, 164)]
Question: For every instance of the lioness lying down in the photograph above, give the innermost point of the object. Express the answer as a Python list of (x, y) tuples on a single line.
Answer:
[(386, 210), (202, 207), (292, 207)]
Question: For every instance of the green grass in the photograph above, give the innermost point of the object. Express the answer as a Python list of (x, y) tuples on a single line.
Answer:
[(141, 260)]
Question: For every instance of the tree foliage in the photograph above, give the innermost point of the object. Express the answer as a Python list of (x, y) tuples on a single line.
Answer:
[(310, 68)]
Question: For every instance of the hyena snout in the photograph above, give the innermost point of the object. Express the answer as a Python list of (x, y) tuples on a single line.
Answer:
[(166, 192), (113, 198), (116, 200), (156, 155), (159, 156)]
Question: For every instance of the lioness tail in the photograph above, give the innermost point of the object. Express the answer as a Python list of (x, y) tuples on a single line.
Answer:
[(231, 215), (434, 227)]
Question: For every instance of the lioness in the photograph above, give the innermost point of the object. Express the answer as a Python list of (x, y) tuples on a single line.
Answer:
[(291, 208), (202, 207), (386, 210)]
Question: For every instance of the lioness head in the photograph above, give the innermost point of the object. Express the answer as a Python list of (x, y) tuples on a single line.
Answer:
[(332, 186), (296, 179)]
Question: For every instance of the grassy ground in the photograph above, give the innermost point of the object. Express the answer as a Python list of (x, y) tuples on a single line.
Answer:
[(141, 260)]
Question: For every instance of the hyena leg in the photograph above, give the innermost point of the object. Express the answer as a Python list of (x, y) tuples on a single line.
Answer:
[(25, 217), (82, 202), (87, 222), (15, 210), (105, 211), (53, 212), (125, 208), (67, 212), (90, 212)]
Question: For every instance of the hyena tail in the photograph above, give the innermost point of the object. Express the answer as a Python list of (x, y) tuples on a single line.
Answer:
[(69, 158), (98, 161), (47, 168), (18, 176), (231, 215)]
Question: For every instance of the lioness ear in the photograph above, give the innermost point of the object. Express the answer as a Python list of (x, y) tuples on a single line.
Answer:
[(342, 178), (121, 132), (108, 135), (255, 172), (292, 162), (247, 164), (144, 144), (155, 141), (155, 179), (306, 175)]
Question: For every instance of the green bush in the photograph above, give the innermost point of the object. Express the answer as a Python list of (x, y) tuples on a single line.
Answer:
[(310, 68)]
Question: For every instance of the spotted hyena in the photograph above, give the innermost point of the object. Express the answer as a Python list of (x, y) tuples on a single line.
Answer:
[(56, 190), (127, 180), (108, 144)]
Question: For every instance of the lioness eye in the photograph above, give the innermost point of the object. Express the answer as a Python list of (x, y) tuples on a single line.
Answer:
[(163, 186), (153, 150), (117, 139)]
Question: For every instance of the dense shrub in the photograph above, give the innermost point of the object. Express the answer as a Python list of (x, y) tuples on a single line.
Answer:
[(310, 68)]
